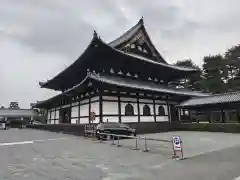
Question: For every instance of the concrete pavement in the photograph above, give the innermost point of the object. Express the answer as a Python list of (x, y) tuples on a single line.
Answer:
[(59, 156)]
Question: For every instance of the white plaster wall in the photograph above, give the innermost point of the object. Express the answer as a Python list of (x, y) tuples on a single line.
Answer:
[(110, 108), (146, 101), (161, 118), (84, 110), (84, 120), (57, 114), (160, 102), (110, 98), (52, 114), (128, 99), (48, 115), (123, 104), (141, 108), (74, 120), (84, 101), (146, 118), (74, 111), (95, 98), (129, 119), (95, 107), (110, 118), (75, 104)]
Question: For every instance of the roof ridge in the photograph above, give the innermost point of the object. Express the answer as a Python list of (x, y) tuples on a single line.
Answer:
[(140, 23)]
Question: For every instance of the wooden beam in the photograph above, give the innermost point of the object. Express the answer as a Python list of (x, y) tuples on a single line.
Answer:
[(154, 110), (222, 116), (238, 115), (169, 113), (100, 108), (79, 112), (89, 109), (119, 109), (138, 108)]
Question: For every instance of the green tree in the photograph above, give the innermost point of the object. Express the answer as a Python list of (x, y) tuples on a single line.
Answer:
[(214, 73), (193, 81), (232, 62)]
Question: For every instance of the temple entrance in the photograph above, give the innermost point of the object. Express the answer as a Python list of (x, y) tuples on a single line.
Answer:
[(65, 115)]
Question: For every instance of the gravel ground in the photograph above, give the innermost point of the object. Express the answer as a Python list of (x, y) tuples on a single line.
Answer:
[(42, 155)]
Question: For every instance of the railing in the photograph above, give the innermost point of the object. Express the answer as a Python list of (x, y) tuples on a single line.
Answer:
[(116, 138)]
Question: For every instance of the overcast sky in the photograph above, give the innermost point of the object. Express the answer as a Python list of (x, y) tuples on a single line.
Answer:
[(39, 38)]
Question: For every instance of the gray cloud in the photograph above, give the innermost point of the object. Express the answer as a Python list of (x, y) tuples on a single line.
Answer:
[(40, 38)]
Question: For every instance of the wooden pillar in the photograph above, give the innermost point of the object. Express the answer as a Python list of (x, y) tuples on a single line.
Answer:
[(100, 108), (55, 115), (169, 112), (138, 107), (179, 114), (119, 109), (79, 113), (50, 117), (47, 116), (89, 109), (197, 117), (70, 113), (238, 115), (222, 116), (154, 109)]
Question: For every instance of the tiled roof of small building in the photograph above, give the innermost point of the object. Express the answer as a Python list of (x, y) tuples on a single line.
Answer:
[(213, 99)]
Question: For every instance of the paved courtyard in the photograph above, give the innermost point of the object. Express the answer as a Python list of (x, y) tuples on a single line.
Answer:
[(31, 154)]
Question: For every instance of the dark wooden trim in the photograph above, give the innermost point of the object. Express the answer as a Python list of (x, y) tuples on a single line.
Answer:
[(55, 113), (169, 113), (89, 110), (154, 110), (79, 113), (223, 116), (119, 110), (84, 116), (138, 109), (100, 108)]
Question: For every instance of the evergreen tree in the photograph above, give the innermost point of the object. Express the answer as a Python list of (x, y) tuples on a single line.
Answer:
[(214, 73)]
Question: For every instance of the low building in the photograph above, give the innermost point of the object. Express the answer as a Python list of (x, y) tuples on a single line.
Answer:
[(215, 108), (17, 114)]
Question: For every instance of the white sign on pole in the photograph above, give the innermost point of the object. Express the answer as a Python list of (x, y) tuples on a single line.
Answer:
[(177, 143)]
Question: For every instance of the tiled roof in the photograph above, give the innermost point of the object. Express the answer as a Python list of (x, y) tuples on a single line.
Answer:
[(143, 85), (127, 35), (214, 99), (157, 63), (128, 83)]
